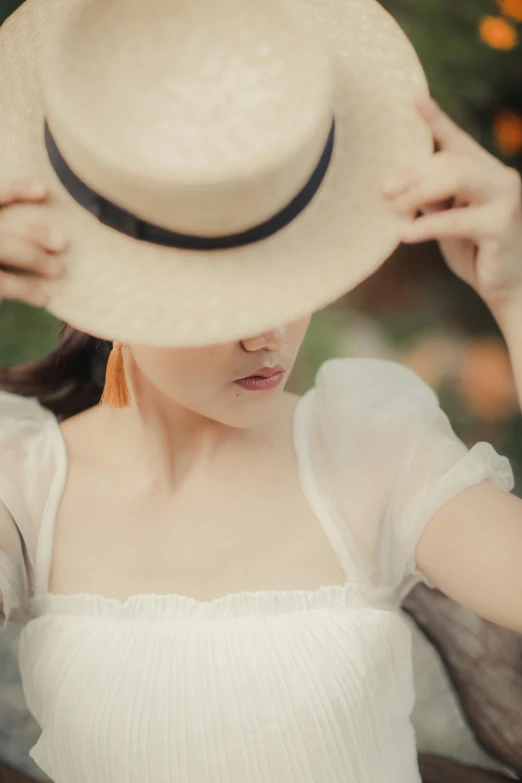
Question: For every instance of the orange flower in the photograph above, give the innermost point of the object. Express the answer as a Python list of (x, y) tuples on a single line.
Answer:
[(512, 8), (498, 33), (507, 128), (485, 381)]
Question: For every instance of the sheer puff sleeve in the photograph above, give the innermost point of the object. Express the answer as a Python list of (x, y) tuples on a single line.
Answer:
[(384, 458), (26, 468)]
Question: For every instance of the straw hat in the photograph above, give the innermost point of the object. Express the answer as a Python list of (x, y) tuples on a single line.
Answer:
[(217, 166)]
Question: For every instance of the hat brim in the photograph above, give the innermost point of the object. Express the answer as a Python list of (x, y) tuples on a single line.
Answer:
[(118, 288)]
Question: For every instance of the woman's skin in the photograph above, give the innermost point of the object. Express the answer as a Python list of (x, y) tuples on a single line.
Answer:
[(195, 458), (471, 203), (194, 484), (186, 405), (468, 201)]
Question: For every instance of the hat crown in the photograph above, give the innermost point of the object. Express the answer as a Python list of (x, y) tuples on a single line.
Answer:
[(202, 117)]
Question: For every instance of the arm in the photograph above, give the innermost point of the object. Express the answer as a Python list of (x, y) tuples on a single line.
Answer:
[(472, 551), (472, 547)]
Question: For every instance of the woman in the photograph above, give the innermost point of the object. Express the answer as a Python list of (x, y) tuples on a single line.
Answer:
[(210, 568)]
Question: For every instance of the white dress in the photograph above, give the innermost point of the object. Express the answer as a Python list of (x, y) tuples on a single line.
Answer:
[(269, 687)]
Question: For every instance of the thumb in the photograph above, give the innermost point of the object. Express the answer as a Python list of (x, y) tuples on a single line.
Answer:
[(440, 206)]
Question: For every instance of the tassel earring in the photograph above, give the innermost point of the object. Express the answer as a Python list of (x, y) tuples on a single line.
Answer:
[(115, 392)]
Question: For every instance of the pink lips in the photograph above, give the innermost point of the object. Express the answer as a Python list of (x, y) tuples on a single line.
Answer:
[(264, 378), (266, 372)]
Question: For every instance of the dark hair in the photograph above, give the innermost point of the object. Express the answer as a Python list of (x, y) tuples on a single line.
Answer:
[(66, 381)]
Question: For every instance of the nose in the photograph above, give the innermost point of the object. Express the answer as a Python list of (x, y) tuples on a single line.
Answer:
[(272, 341)]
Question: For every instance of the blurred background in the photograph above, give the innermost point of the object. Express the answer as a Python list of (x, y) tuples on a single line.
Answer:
[(413, 309)]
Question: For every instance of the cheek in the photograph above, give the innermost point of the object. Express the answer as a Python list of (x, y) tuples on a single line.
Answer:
[(182, 370), (162, 368), (298, 329)]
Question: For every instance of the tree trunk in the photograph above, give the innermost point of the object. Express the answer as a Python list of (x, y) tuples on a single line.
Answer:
[(8, 775), (484, 662), (435, 769)]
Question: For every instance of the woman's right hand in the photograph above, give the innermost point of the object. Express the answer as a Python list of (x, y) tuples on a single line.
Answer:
[(33, 251)]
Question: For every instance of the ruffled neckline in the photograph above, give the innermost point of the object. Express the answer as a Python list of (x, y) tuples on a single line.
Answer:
[(172, 606)]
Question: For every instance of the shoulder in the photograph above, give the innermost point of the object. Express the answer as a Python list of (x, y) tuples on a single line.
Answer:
[(371, 384), (367, 412), (28, 460), (370, 413), (28, 433), (21, 416), (28, 443)]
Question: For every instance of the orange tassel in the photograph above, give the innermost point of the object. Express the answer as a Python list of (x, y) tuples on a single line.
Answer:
[(115, 392)]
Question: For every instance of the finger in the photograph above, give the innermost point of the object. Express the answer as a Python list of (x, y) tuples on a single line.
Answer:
[(449, 135), (29, 291), (406, 177), (443, 179), (473, 223), (440, 206), (21, 190), (46, 236), (20, 256)]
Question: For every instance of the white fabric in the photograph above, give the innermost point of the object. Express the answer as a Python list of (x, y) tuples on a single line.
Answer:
[(280, 686)]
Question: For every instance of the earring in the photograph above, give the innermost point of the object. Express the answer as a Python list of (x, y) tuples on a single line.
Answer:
[(115, 392)]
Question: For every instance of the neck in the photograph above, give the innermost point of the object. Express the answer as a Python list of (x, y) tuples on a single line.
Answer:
[(167, 442)]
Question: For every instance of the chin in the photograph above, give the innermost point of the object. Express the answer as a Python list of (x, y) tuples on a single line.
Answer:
[(254, 412)]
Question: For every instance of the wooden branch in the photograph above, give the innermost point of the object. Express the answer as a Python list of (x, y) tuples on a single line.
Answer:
[(9, 775), (484, 662), (435, 769)]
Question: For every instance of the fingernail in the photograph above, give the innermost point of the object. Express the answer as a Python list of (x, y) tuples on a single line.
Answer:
[(57, 240), (37, 189)]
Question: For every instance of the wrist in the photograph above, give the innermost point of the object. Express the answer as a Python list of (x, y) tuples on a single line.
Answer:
[(507, 312)]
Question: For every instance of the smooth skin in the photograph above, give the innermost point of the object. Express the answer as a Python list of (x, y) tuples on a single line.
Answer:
[(472, 204), (34, 252)]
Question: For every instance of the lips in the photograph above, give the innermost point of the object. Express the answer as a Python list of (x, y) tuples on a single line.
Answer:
[(266, 372)]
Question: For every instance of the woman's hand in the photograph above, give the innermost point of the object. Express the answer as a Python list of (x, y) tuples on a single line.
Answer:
[(472, 204), (31, 252)]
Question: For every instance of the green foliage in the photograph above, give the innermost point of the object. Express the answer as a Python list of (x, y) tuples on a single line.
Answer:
[(26, 333), (472, 81), (7, 7), (469, 79), (319, 345)]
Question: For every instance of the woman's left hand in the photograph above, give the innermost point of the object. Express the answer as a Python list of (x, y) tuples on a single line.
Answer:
[(472, 204)]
